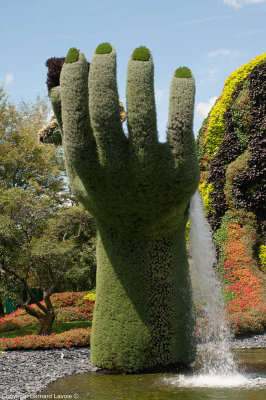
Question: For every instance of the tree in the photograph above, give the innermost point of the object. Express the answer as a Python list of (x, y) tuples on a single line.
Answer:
[(74, 222), (38, 244), (138, 190), (24, 161), (2, 311)]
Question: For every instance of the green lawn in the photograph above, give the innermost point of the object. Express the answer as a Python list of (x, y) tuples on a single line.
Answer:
[(59, 327)]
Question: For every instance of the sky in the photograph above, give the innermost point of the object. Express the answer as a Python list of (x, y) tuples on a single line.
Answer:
[(212, 37)]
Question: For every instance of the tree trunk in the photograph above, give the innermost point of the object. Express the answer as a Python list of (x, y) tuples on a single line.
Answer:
[(46, 321), (2, 311), (45, 315), (144, 314)]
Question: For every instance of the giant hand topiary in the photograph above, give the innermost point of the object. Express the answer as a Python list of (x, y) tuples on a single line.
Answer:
[(138, 190)]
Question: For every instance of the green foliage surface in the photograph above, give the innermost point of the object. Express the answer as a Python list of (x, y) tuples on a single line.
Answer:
[(262, 256), (183, 72), (72, 55), (138, 190), (103, 48), (241, 117), (141, 54), (216, 128)]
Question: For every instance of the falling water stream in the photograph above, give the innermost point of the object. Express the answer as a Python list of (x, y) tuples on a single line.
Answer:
[(217, 358), (217, 366)]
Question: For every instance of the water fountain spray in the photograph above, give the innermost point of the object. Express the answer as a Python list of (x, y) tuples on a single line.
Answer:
[(217, 357)]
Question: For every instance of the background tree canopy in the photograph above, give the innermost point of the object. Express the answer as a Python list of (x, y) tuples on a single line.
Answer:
[(25, 162), (46, 239)]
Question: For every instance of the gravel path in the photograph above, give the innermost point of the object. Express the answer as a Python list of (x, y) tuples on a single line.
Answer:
[(24, 373), (250, 342)]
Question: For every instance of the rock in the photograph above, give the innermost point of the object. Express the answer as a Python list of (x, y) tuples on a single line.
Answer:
[(28, 372)]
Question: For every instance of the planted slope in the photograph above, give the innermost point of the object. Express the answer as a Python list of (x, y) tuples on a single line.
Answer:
[(232, 157)]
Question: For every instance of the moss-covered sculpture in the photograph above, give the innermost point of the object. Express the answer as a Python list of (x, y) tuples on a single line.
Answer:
[(138, 190)]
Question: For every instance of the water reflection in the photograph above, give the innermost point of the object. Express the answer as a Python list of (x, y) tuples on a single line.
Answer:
[(96, 386)]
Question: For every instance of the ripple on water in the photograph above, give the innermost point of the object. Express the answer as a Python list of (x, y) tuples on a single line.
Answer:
[(246, 381)]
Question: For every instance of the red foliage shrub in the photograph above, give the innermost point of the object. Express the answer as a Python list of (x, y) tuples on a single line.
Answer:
[(16, 320), (75, 337), (243, 283)]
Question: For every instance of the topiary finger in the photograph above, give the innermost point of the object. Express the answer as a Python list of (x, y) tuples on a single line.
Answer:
[(78, 139), (104, 106), (181, 108), (141, 109)]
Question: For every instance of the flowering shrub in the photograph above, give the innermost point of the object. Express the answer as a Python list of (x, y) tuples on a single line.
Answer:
[(242, 323), (75, 337), (91, 297), (216, 129), (16, 320), (68, 306), (243, 284), (87, 303), (77, 313), (67, 299)]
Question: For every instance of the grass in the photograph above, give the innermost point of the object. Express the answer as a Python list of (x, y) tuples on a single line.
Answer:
[(59, 327)]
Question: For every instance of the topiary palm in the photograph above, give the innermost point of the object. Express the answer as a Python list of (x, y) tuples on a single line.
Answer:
[(138, 190)]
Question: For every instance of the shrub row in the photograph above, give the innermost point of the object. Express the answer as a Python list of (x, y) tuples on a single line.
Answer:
[(75, 337)]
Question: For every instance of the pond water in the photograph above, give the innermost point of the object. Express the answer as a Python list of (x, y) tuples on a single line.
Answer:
[(249, 383)]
